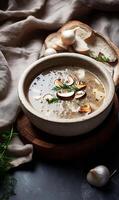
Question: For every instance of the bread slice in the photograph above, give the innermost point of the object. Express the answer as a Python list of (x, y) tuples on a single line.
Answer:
[(54, 41), (101, 48), (84, 31)]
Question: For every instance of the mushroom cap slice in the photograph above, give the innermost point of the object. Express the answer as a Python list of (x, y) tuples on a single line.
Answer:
[(69, 80), (65, 95), (80, 45), (85, 108), (58, 83), (80, 94), (80, 85), (84, 30), (54, 41)]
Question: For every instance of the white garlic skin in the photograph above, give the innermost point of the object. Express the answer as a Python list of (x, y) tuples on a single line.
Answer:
[(98, 176), (68, 37), (49, 51)]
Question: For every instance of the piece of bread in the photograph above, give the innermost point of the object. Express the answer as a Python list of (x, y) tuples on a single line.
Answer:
[(116, 64), (99, 45)]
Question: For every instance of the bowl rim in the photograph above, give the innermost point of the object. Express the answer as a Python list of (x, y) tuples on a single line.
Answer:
[(33, 111)]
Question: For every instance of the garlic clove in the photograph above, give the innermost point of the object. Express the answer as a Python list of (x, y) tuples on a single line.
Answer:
[(80, 94), (49, 51), (68, 36), (98, 176), (84, 31), (58, 83), (65, 95)]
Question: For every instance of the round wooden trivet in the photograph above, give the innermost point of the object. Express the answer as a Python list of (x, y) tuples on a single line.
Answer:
[(66, 148)]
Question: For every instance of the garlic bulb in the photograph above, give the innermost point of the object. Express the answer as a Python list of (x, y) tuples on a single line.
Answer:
[(98, 176), (49, 51), (68, 36)]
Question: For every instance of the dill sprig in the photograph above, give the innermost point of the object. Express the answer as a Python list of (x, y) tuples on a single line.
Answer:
[(7, 182)]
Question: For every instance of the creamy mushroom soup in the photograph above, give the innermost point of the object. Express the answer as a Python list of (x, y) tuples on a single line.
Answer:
[(66, 93)]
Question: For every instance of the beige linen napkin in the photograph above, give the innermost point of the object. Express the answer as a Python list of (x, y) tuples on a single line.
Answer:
[(23, 27)]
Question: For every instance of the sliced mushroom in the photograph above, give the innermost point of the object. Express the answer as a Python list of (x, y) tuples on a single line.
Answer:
[(69, 80), (65, 95), (85, 108), (54, 41), (58, 83), (48, 97), (75, 78), (80, 45), (80, 85), (80, 94)]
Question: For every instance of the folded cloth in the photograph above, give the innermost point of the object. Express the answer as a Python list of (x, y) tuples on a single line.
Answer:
[(23, 27), (20, 152)]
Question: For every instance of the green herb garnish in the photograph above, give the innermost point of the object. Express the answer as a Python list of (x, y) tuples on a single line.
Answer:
[(55, 88), (69, 88), (101, 57), (7, 182), (53, 100)]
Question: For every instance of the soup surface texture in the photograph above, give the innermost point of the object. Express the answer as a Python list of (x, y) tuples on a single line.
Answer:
[(66, 92)]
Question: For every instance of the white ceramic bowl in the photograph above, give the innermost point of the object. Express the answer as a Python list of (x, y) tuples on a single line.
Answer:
[(68, 127)]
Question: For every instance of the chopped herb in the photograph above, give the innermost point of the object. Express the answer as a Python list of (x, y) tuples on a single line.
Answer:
[(101, 57), (65, 86), (56, 88), (53, 100), (69, 88)]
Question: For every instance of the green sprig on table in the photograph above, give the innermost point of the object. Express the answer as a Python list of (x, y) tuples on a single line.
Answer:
[(6, 180)]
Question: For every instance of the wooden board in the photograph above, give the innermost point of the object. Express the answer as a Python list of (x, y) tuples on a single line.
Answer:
[(63, 148)]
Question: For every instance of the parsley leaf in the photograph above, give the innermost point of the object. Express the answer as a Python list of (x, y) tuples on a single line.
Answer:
[(53, 100)]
